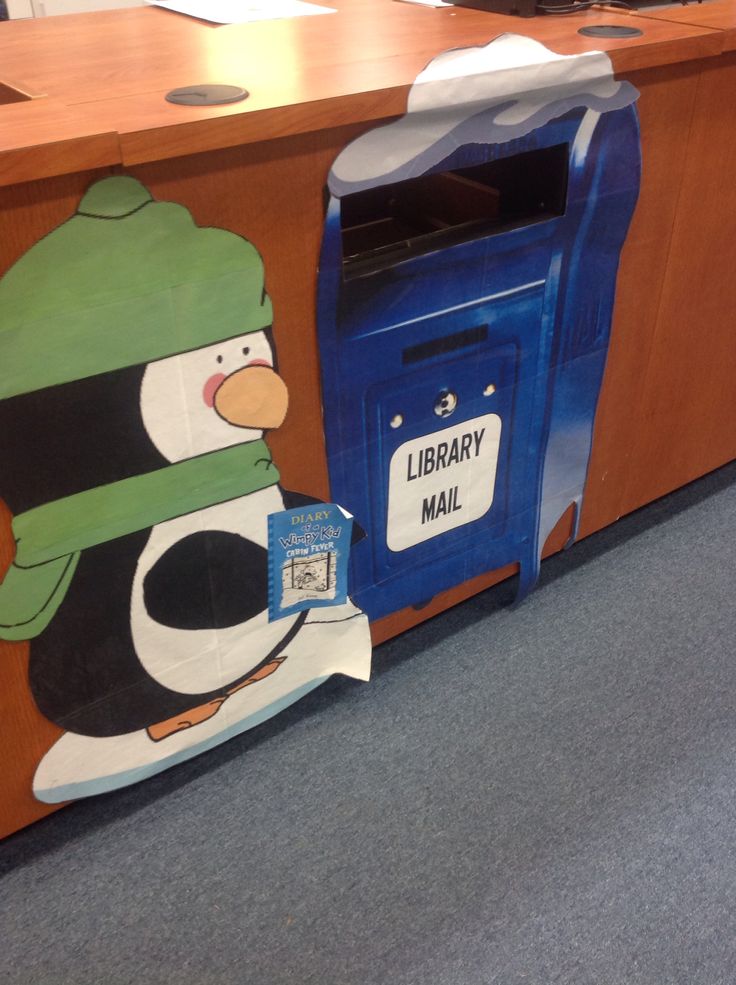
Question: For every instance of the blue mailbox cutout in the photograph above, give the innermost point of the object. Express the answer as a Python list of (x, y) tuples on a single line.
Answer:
[(466, 287)]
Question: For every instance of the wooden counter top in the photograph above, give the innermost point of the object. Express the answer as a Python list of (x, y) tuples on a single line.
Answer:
[(720, 15), (105, 74)]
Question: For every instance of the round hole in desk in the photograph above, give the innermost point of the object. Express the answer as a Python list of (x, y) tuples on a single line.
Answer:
[(610, 31), (206, 95)]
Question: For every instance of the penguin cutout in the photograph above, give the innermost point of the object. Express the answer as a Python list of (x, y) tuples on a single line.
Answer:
[(141, 379)]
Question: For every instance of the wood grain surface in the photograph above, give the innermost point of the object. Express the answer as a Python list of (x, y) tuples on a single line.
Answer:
[(107, 73), (687, 412), (717, 14), (665, 107)]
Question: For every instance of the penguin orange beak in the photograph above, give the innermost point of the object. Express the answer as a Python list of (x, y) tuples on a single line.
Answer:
[(252, 397)]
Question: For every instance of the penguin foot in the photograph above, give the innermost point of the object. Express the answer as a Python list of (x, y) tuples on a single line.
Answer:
[(161, 730), (195, 716), (262, 672), (331, 641)]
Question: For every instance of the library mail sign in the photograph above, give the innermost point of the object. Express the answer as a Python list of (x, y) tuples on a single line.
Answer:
[(442, 480)]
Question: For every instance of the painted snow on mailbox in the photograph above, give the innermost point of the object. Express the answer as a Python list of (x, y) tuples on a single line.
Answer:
[(138, 384), (466, 287)]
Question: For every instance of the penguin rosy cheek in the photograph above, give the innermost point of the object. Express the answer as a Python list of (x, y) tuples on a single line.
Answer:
[(210, 388)]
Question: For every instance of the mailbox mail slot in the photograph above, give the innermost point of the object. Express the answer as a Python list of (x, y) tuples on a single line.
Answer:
[(464, 317)]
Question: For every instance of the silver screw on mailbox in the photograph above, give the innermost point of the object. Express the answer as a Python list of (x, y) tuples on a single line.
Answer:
[(396, 421), (489, 390)]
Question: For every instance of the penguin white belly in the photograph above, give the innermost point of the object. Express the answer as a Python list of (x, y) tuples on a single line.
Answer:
[(200, 660)]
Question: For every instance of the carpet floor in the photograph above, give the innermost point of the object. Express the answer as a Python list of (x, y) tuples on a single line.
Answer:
[(519, 797)]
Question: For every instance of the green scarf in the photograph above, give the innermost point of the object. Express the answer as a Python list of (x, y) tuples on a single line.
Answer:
[(50, 538)]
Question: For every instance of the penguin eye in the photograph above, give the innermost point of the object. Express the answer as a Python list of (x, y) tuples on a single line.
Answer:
[(246, 350), (219, 359)]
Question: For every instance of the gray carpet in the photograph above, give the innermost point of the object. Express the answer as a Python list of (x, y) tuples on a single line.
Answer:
[(542, 795)]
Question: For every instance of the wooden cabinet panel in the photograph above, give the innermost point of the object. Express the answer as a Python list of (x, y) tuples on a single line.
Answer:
[(687, 414), (665, 112)]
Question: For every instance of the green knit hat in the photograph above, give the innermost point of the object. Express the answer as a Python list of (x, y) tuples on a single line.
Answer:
[(124, 281)]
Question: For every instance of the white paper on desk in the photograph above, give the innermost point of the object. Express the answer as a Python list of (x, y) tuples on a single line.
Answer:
[(241, 11), (429, 3)]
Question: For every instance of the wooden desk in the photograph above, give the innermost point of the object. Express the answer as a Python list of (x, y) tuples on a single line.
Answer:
[(108, 73), (667, 409), (719, 15)]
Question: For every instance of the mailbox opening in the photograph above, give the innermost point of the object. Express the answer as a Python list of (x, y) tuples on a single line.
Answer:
[(383, 226)]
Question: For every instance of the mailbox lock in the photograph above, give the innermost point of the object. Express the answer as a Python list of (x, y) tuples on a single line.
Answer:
[(445, 403)]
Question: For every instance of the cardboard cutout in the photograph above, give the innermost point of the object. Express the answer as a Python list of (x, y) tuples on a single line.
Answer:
[(139, 379), (466, 286)]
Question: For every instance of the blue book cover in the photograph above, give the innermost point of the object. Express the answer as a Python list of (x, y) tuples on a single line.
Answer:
[(308, 555)]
